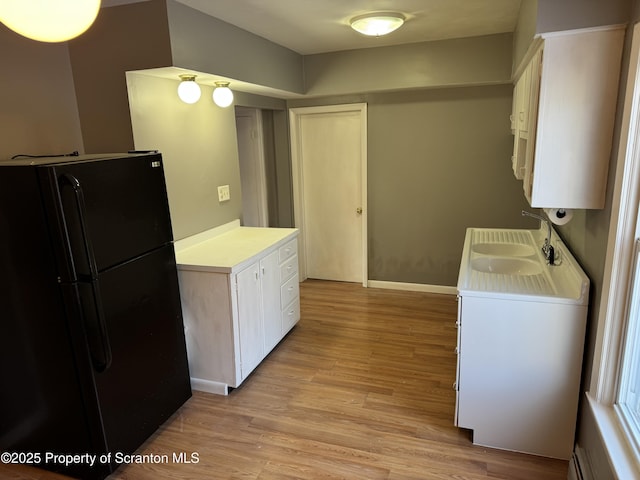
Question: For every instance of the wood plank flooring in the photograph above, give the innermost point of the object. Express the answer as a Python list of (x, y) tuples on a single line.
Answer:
[(360, 389)]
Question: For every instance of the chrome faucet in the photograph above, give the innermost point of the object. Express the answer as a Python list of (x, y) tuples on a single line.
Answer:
[(547, 248)]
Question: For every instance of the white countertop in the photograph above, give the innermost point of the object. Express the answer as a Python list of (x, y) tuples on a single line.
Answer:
[(565, 282), (229, 248)]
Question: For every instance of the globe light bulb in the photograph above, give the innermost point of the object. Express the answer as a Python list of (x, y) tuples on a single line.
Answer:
[(222, 94), (48, 20), (188, 90)]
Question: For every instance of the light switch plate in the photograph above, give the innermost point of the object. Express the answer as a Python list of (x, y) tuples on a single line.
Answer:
[(223, 193)]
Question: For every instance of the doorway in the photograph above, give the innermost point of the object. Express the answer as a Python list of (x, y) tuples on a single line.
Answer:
[(253, 182), (329, 168)]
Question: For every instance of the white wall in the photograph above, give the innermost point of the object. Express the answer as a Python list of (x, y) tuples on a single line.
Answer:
[(198, 146)]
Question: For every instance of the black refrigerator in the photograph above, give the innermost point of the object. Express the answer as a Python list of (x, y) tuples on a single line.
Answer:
[(92, 349)]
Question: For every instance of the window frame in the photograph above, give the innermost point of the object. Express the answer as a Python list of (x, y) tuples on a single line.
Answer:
[(629, 416), (616, 288)]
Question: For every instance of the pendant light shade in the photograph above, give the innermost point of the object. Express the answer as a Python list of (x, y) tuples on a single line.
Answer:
[(189, 90), (377, 24), (222, 94), (49, 20)]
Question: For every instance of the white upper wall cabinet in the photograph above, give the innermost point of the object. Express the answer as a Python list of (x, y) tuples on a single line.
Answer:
[(563, 117)]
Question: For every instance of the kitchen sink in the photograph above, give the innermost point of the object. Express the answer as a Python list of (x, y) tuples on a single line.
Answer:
[(506, 265), (503, 249)]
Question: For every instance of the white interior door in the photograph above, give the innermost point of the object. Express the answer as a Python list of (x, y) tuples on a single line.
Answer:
[(329, 168)]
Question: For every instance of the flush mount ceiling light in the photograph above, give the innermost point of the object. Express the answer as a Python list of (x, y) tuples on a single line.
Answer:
[(188, 90), (222, 94), (47, 20), (377, 24)]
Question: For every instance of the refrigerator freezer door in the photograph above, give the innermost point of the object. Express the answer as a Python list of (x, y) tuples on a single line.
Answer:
[(148, 378), (42, 403), (109, 210)]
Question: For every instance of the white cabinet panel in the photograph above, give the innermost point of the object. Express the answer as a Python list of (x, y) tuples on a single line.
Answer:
[(290, 291), (519, 379), (237, 311), (250, 325), (289, 269), (291, 315), (271, 305), (288, 250), (565, 104)]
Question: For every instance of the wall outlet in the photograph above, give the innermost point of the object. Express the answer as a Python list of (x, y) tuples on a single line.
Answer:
[(223, 193)]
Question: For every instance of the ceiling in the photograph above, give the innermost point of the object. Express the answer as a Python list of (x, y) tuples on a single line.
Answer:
[(318, 26)]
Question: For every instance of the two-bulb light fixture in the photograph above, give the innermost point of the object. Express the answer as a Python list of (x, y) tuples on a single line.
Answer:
[(377, 24), (48, 20), (189, 91)]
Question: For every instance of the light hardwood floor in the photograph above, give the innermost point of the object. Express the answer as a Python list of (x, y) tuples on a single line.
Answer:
[(360, 389)]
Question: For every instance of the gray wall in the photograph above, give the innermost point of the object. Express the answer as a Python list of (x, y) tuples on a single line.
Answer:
[(199, 150), (482, 60), (569, 14), (127, 37), (525, 30), (205, 44), (438, 162), (439, 147), (38, 113)]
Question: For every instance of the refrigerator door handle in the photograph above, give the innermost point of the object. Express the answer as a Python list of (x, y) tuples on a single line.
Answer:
[(81, 209), (103, 334), (97, 301)]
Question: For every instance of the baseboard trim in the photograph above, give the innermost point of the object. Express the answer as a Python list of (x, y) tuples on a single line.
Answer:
[(413, 287), (209, 386), (579, 468), (574, 469)]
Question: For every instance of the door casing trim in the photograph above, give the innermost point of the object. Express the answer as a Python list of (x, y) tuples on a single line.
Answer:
[(295, 115)]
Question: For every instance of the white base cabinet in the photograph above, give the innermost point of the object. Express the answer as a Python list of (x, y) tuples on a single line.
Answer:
[(521, 337), (235, 314), (519, 368)]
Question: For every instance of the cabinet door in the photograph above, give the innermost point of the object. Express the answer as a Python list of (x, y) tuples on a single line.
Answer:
[(250, 325), (270, 272), (525, 111), (529, 152)]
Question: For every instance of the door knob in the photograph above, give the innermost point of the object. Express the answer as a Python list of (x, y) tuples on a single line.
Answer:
[(359, 210)]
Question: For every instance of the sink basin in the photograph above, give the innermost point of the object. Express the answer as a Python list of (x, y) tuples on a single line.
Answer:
[(507, 266), (504, 249)]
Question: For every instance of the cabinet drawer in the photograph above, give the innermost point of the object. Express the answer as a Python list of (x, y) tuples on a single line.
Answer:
[(288, 269), (290, 316), (288, 250), (289, 291)]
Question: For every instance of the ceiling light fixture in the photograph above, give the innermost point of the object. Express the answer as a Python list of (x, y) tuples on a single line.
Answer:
[(188, 90), (47, 20), (377, 24), (222, 94)]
